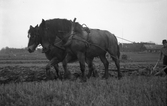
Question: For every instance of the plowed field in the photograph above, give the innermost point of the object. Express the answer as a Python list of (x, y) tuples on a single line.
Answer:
[(23, 82)]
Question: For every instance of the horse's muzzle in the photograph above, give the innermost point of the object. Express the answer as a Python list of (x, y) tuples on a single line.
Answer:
[(30, 50), (44, 50)]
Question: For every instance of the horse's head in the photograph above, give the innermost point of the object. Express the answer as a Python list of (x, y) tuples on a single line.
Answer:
[(34, 40), (47, 37)]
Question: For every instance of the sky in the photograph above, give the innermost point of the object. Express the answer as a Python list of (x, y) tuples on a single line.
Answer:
[(134, 20)]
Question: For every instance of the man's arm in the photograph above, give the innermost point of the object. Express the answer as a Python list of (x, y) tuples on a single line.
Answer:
[(160, 57)]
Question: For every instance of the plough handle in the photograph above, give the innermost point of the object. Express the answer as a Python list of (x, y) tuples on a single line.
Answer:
[(156, 65)]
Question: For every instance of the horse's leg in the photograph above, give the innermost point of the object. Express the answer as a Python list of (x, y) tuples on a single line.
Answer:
[(56, 67), (90, 66), (81, 58), (52, 62), (92, 70), (115, 56), (117, 63), (95, 73), (105, 63), (48, 70), (64, 62)]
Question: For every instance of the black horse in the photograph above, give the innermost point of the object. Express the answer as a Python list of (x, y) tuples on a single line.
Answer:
[(78, 42), (55, 53)]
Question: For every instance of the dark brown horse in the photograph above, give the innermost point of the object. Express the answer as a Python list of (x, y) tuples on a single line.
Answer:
[(55, 53), (78, 42)]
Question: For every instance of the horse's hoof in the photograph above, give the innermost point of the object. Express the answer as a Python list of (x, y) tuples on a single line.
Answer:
[(56, 77), (88, 75), (105, 77), (67, 75), (119, 77), (96, 75), (48, 74), (47, 67), (83, 79)]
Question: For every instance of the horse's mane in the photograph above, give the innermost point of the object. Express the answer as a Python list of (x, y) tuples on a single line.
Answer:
[(62, 25), (30, 30)]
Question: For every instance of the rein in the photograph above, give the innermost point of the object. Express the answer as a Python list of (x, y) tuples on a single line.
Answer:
[(88, 44), (55, 45)]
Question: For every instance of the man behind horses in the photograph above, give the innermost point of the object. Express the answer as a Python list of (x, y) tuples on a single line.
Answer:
[(164, 53)]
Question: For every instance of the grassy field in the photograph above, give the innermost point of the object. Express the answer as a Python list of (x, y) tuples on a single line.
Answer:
[(129, 91), (134, 89)]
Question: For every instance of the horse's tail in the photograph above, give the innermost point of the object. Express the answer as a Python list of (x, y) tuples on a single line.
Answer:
[(118, 51), (114, 47)]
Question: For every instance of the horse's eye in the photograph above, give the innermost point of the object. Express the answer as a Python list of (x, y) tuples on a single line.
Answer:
[(32, 37), (29, 35)]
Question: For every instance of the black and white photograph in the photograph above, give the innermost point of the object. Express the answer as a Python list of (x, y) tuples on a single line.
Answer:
[(83, 52)]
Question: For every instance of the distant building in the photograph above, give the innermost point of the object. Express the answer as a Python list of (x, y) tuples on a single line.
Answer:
[(152, 48), (131, 47), (139, 47)]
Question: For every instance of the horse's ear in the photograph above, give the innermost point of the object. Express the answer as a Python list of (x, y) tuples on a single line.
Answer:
[(36, 26), (31, 26), (43, 23)]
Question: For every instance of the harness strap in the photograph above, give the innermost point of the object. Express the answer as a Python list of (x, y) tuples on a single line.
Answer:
[(62, 48), (69, 40), (55, 45), (88, 43), (72, 33)]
